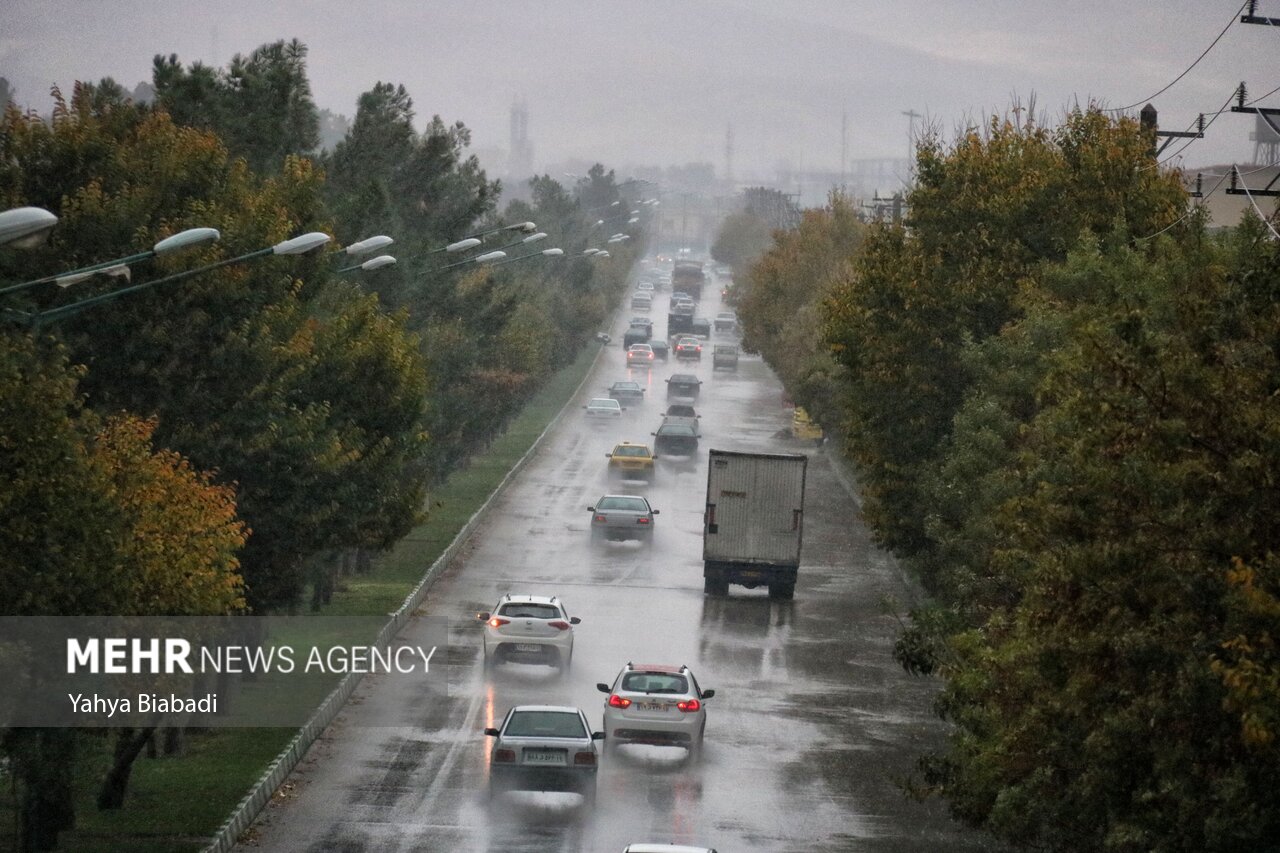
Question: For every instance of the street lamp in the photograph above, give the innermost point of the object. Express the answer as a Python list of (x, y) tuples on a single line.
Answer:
[(182, 240), (25, 227), (300, 245), (371, 264), (369, 244), (545, 253)]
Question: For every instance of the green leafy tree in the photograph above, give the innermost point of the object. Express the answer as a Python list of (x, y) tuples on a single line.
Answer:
[(743, 237), (1116, 702), (780, 303), (984, 214), (260, 106)]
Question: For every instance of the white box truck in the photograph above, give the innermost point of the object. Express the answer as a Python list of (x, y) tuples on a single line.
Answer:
[(754, 521)]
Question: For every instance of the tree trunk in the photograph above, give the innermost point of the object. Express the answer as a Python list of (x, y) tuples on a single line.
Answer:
[(129, 744), (42, 762)]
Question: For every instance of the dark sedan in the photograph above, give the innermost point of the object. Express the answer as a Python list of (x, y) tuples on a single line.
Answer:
[(676, 437), (625, 392), (683, 385)]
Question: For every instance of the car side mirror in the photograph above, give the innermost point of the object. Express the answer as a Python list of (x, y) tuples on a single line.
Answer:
[(491, 732), (591, 509), (653, 433), (482, 617), (574, 620), (608, 455), (602, 687), (622, 408), (597, 735), (656, 511), (707, 694), (654, 456)]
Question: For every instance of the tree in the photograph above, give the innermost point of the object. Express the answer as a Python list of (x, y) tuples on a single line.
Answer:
[(781, 297), (260, 105), (94, 520), (983, 216), (1116, 703), (742, 239)]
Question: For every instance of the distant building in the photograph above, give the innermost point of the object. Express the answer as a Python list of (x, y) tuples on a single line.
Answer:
[(520, 150)]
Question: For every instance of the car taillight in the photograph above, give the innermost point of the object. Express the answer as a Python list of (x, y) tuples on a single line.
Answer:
[(504, 756), (616, 701), (642, 520), (601, 518), (498, 622), (584, 759), (689, 705), (559, 625)]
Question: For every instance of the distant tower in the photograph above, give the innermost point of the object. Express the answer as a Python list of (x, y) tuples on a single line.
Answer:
[(728, 154), (520, 161), (1266, 144)]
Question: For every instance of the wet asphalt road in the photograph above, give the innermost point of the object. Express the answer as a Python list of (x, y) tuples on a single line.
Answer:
[(812, 725)]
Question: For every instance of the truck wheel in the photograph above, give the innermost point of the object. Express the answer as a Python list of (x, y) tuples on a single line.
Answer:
[(715, 585), (782, 590)]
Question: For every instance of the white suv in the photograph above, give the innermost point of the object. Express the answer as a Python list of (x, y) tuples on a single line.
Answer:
[(528, 629), (655, 704)]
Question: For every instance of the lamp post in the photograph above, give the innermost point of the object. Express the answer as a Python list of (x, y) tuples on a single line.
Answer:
[(371, 264), (25, 227), (182, 240), (545, 253), (487, 257), (296, 246)]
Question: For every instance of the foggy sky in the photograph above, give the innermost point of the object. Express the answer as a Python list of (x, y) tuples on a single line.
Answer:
[(657, 82)]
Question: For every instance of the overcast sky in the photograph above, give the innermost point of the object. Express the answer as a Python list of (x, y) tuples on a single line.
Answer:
[(659, 81)]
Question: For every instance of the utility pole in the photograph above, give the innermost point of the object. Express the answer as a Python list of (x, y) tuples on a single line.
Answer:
[(844, 150), (728, 154), (1267, 115)]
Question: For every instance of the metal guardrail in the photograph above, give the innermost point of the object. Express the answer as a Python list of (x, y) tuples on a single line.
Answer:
[(248, 809)]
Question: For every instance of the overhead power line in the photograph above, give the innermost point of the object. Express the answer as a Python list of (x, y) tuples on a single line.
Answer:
[(1173, 82)]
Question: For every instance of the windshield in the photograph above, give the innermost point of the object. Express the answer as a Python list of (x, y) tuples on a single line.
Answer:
[(528, 610), (655, 682), (623, 503), (545, 724)]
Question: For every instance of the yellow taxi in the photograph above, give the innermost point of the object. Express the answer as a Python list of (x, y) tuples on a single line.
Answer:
[(631, 461)]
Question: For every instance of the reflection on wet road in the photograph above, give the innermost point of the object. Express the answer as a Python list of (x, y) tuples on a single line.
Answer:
[(812, 725)]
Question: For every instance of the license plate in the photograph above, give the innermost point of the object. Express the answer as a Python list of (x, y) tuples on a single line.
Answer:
[(651, 706), (546, 757), (528, 647)]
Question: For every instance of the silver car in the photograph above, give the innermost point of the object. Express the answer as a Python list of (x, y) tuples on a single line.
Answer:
[(622, 517), (544, 748), (655, 704)]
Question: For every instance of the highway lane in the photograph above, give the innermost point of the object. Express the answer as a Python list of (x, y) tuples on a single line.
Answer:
[(813, 724)]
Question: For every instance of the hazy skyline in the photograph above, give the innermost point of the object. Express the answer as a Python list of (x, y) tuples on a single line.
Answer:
[(658, 83)]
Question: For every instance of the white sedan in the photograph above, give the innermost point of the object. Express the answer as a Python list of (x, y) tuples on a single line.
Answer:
[(604, 407)]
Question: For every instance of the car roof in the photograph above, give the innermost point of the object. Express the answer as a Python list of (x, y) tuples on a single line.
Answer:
[(626, 383), (646, 847), (683, 377), (568, 709), (641, 497), (655, 667), (631, 444), (640, 346), (509, 598), (603, 401)]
